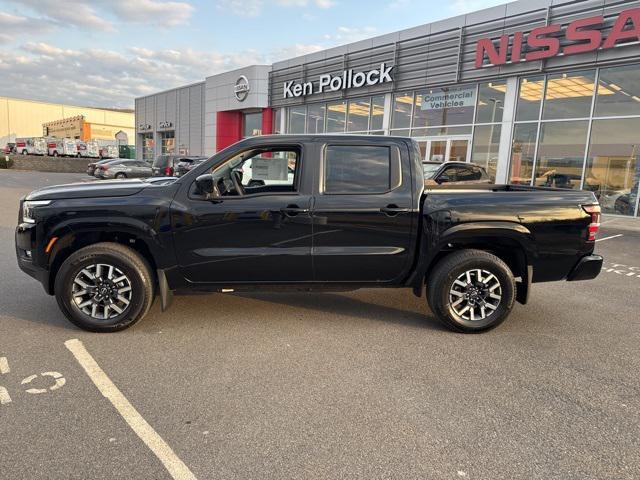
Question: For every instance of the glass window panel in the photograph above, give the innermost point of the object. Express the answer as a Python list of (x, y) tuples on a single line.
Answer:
[(437, 151), (458, 150), (529, 98), (148, 146), (402, 104), (618, 91), (401, 132), (277, 120), (359, 111), (437, 131), (486, 144), (444, 106), (561, 154), (315, 118), (297, 119), (252, 125), (167, 143), (336, 117), (613, 164), (523, 148), (490, 102), (377, 113), (357, 169), (569, 95)]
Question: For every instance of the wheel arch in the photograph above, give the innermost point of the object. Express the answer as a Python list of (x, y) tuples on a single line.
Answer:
[(509, 241), (70, 240)]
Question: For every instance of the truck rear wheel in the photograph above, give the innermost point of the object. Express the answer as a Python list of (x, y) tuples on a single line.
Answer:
[(104, 287), (471, 291)]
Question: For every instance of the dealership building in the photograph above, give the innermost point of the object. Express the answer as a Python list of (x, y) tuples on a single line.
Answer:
[(539, 92)]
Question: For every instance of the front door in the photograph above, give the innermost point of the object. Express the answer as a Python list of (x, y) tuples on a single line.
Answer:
[(452, 149), (256, 229), (363, 213)]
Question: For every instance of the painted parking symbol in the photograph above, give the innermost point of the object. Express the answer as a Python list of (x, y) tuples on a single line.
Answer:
[(59, 382), (55, 381)]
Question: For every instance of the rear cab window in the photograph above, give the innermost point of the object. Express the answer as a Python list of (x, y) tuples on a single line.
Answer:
[(360, 169)]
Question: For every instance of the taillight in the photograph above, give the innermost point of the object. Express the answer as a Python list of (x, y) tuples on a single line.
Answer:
[(105, 167), (594, 226), (168, 172)]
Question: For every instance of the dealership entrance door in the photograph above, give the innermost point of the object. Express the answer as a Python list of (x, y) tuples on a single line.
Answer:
[(446, 149)]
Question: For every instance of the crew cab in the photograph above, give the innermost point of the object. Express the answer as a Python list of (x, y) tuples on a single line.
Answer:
[(354, 213)]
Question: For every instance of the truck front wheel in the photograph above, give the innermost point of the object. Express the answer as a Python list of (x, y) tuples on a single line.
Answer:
[(104, 287), (471, 291)]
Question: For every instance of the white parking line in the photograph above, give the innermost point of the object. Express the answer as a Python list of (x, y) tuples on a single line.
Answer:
[(4, 365), (609, 238), (176, 468)]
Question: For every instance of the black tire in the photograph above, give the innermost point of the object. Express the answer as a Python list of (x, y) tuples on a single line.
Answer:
[(120, 175), (24, 152), (122, 258), (55, 153), (441, 290)]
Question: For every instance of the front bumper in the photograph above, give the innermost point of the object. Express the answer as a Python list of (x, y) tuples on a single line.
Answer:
[(586, 269), (25, 255)]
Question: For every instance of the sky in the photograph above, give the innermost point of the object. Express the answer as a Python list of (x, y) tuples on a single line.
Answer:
[(105, 53)]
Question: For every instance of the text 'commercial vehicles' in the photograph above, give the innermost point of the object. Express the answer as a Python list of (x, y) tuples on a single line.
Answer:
[(355, 213)]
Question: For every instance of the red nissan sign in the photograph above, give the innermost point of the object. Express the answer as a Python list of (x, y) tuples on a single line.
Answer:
[(544, 42)]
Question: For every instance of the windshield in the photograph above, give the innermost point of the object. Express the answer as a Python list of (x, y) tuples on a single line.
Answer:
[(430, 169)]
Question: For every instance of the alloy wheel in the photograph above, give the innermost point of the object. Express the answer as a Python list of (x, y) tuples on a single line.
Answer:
[(475, 295), (101, 291)]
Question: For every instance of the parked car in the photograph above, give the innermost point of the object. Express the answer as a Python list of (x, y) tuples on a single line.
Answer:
[(437, 173), (356, 214), (120, 168), (91, 167), (185, 165), (9, 148), (167, 165)]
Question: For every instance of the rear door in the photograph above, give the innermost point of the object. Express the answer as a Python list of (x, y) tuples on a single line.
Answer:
[(362, 213)]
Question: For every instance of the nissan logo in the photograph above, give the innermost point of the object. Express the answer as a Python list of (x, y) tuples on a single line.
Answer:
[(241, 89)]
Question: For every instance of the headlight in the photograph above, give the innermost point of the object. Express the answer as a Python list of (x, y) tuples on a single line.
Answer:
[(28, 206)]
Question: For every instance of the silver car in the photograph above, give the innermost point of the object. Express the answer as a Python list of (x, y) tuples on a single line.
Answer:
[(123, 169)]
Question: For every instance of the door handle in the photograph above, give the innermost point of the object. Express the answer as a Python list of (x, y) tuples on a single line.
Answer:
[(293, 210), (393, 210)]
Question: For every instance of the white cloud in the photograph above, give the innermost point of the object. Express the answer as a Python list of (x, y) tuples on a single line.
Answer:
[(97, 14), (165, 14), (12, 26), (101, 77), (350, 34), (253, 8), (459, 7)]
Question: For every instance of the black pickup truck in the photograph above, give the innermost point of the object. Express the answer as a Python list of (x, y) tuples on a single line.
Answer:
[(306, 213)]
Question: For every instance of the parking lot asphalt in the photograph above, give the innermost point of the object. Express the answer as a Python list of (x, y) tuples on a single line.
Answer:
[(315, 386)]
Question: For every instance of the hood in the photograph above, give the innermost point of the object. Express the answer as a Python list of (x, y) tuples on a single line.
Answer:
[(109, 188)]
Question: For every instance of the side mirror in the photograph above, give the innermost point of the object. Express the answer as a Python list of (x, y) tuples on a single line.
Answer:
[(204, 185), (444, 178)]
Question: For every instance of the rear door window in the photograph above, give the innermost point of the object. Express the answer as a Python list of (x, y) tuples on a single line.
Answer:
[(357, 169)]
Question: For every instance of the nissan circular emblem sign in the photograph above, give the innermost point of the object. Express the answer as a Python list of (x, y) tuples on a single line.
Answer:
[(241, 89)]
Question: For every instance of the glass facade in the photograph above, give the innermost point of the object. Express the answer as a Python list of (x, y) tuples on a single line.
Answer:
[(581, 130), (168, 143), (148, 147), (576, 129), (251, 124)]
